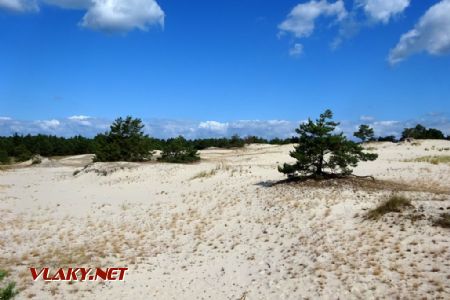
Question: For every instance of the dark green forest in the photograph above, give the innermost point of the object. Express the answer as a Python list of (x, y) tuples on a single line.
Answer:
[(18, 148)]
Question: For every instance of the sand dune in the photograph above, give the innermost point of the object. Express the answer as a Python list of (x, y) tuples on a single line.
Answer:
[(219, 229)]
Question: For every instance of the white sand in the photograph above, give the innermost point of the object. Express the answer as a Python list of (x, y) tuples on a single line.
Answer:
[(226, 234)]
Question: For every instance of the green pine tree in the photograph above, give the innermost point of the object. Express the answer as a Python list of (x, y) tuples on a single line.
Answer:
[(364, 133), (22, 153), (323, 153), (178, 150), (124, 142), (4, 158)]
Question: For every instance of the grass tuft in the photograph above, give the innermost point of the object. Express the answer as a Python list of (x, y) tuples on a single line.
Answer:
[(212, 172), (7, 291), (205, 174), (395, 203), (435, 160)]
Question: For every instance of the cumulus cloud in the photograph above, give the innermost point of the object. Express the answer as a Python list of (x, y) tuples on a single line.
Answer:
[(163, 128), (214, 126), (348, 28), (19, 5), (383, 10), (109, 16), (296, 50), (431, 34), (59, 127), (79, 118), (123, 15), (389, 127), (48, 124), (301, 20), (366, 118)]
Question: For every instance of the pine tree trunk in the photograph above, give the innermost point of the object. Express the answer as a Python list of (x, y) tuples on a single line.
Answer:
[(320, 166)]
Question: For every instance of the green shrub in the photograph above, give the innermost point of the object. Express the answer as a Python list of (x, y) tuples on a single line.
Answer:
[(124, 142), (178, 150), (421, 132), (389, 138), (7, 291), (4, 158), (393, 204), (22, 153)]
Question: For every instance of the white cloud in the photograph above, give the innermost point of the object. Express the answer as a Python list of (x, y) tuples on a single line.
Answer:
[(79, 118), (161, 128), (123, 15), (214, 126), (386, 123), (301, 20), (366, 118), (430, 34), (383, 10), (82, 120), (348, 28), (48, 124), (278, 122), (103, 15), (19, 5), (296, 50)]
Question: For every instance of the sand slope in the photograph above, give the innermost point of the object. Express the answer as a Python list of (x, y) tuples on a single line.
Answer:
[(220, 230)]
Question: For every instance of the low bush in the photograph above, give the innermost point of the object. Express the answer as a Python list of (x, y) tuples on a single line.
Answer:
[(435, 160), (4, 158), (421, 132), (179, 150), (395, 204), (8, 290)]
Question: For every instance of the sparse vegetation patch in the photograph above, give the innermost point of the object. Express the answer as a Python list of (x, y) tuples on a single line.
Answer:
[(443, 221), (395, 204), (435, 159), (7, 290), (205, 174)]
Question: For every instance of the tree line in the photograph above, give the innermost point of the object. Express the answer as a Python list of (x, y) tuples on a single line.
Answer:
[(126, 141)]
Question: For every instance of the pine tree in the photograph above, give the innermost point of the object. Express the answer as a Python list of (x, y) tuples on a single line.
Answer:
[(4, 159), (323, 153), (21, 153), (364, 133), (124, 142), (421, 132), (178, 150)]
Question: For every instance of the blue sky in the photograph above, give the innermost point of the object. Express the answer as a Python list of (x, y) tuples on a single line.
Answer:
[(201, 67)]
